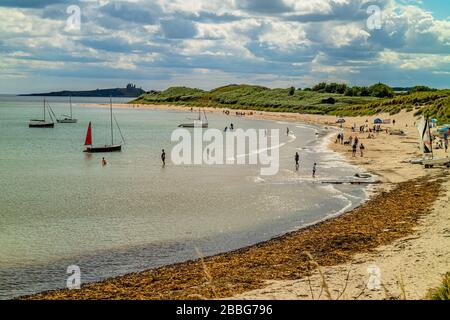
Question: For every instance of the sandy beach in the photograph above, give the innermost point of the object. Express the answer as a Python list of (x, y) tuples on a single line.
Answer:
[(403, 231)]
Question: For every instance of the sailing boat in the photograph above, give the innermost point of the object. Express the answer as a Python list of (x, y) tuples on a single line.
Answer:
[(42, 123), (105, 148), (197, 122), (68, 119), (426, 146)]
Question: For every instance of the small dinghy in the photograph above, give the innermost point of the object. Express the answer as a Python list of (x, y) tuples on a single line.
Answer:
[(363, 175)]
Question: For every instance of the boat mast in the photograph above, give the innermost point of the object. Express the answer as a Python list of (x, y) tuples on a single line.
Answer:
[(112, 131), (70, 101), (44, 109)]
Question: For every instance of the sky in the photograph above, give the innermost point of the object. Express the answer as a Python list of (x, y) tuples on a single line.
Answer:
[(50, 45)]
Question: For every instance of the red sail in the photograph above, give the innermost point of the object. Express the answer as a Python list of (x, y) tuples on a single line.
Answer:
[(88, 141)]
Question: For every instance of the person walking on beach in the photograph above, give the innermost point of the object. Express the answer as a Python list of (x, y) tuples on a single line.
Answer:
[(163, 157), (297, 160), (361, 148), (356, 140), (354, 149), (314, 170), (231, 126), (287, 131), (342, 138), (104, 163)]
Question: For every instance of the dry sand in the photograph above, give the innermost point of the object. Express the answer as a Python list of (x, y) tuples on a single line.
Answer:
[(407, 269)]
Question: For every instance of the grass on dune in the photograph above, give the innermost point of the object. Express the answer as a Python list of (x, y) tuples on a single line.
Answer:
[(433, 103), (442, 292)]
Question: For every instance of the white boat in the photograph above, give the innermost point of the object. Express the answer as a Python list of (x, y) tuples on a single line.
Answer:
[(426, 146), (430, 163), (68, 119), (198, 123), (42, 123)]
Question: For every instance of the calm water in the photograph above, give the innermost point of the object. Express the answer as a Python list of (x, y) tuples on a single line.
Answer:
[(59, 207)]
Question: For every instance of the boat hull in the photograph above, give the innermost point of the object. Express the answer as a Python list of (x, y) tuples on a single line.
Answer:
[(192, 125), (41, 124), (104, 149), (67, 121), (430, 163)]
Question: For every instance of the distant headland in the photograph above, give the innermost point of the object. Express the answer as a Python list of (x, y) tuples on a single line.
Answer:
[(129, 91)]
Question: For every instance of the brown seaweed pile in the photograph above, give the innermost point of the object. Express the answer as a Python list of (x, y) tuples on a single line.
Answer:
[(386, 217)]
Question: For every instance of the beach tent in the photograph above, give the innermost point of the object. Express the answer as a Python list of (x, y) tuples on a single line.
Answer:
[(378, 121), (340, 120)]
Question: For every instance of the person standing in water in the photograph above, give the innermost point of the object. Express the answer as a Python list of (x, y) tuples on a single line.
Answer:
[(354, 147), (361, 148), (297, 161), (287, 131), (314, 170), (163, 157), (104, 163)]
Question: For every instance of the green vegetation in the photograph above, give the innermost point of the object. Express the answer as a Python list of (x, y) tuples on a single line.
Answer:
[(324, 99), (255, 98), (434, 104), (378, 90), (442, 292), (173, 94)]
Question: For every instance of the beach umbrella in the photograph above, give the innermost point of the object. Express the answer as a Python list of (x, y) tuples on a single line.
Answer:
[(434, 120), (378, 121), (340, 120)]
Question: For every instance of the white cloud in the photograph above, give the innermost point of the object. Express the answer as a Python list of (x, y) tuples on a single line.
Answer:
[(290, 39)]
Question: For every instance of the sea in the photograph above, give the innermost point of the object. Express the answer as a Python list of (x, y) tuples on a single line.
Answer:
[(59, 207)]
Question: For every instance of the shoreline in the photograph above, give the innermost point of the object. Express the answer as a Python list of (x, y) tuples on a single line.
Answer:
[(331, 242), (195, 269)]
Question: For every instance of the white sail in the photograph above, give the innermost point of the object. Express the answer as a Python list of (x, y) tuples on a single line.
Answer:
[(424, 136)]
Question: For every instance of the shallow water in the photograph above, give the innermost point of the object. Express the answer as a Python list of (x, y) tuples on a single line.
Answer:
[(60, 207)]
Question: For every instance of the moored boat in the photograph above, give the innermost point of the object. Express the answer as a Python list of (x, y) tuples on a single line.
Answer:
[(103, 148), (42, 123), (198, 123), (68, 119)]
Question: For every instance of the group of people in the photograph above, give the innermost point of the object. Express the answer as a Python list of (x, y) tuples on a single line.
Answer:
[(354, 142), (231, 128), (442, 144), (238, 113), (355, 149)]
